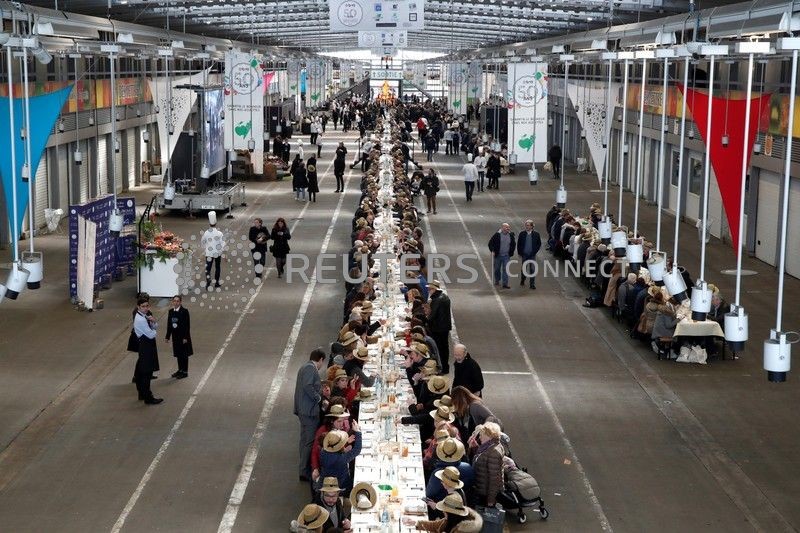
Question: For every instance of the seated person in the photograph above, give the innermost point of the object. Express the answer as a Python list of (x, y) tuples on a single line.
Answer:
[(339, 509)]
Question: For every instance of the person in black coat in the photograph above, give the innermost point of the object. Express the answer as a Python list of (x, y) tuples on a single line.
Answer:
[(300, 181), (133, 340), (439, 323), (311, 177), (179, 330), (493, 170), (339, 164), (259, 236), (554, 156), (466, 371), (144, 327), (528, 245), (280, 244)]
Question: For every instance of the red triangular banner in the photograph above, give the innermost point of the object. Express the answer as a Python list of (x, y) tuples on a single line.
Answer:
[(727, 160)]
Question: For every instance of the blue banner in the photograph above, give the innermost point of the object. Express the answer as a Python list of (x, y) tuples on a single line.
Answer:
[(44, 112)]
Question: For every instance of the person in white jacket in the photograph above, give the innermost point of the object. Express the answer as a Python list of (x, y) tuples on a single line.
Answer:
[(213, 242), (480, 164)]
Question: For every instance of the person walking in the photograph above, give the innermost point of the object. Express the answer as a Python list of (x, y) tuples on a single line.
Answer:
[(179, 331), (430, 186), (319, 144), (480, 164), (144, 328), (259, 236), (431, 145), (554, 156), (439, 323), (467, 372), (311, 176), (502, 245), (528, 246), (299, 181), (339, 163), (280, 244), (213, 242), (307, 395), (470, 172)]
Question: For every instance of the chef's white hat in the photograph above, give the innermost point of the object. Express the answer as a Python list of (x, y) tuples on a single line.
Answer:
[(212, 218)]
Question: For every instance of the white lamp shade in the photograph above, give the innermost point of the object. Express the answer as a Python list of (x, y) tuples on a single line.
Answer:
[(251, 145), (78, 157), (635, 254), (33, 262), (736, 328), (561, 197), (533, 176), (512, 159), (657, 264), (116, 222), (777, 356), (204, 173), (470, 157), (675, 285), (619, 242), (701, 300), (169, 192), (17, 279), (146, 136), (604, 227)]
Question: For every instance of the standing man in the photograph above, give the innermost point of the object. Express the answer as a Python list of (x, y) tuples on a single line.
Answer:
[(338, 166), (493, 170), (259, 235), (439, 324), (480, 164), (528, 246), (502, 246), (179, 330), (466, 371), (554, 156), (470, 177), (213, 243), (144, 327), (307, 395)]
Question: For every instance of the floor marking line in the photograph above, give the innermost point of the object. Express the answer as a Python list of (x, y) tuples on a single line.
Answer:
[(248, 464), (117, 527), (595, 502), (453, 331), (502, 373)]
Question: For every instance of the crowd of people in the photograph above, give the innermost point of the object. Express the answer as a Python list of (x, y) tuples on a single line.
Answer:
[(465, 451), (644, 305)]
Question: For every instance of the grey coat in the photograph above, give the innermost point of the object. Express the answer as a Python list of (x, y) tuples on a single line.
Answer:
[(307, 392)]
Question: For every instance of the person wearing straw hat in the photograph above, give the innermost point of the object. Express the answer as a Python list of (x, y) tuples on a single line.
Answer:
[(439, 323), (442, 483), (330, 498), (455, 512), (363, 496), (311, 518), (344, 385), (337, 417), (355, 367), (338, 450), (450, 453), (443, 431)]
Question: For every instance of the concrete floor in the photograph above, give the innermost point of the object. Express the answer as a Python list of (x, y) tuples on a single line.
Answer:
[(618, 440)]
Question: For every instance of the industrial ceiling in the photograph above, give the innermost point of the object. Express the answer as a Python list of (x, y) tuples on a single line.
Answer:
[(450, 25)]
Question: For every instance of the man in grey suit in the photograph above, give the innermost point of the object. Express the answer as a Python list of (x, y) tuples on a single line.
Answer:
[(307, 395)]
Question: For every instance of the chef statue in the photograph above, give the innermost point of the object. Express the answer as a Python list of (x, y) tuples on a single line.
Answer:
[(213, 243)]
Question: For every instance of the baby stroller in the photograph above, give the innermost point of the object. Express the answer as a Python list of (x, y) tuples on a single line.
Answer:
[(521, 492)]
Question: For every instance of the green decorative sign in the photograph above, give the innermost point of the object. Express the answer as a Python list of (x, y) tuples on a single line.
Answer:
[(243, 128), (526, 142)]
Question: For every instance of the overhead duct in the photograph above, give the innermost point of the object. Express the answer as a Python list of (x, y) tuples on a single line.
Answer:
[(722, 26), (57, 29)]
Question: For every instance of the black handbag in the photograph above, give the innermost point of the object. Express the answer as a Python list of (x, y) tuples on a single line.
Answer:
[(133, 342)]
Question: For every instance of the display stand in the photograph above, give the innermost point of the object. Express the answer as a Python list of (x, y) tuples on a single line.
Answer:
[(160, 279)]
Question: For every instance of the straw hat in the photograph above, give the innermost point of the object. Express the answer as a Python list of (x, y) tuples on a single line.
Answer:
[(434, 285), (421, 348), (450, 450), (330, 484), (313, 516), (445, 400), (473, 523), (362, 354), (337, 411), (442, 414), (450, 477), (440, 434), (652, 291), (453, 504), (438, 384), (430, 368), (418, 337), (364, 394), (366, 307), (363, 496), (340, 373), (335, 440), (348, 338)]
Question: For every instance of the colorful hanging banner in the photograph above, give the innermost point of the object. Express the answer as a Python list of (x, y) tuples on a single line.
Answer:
[(527, 111), (244, 87), (726, 160), (457, 88), (474, 82), (591, 105), (44, 110)]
